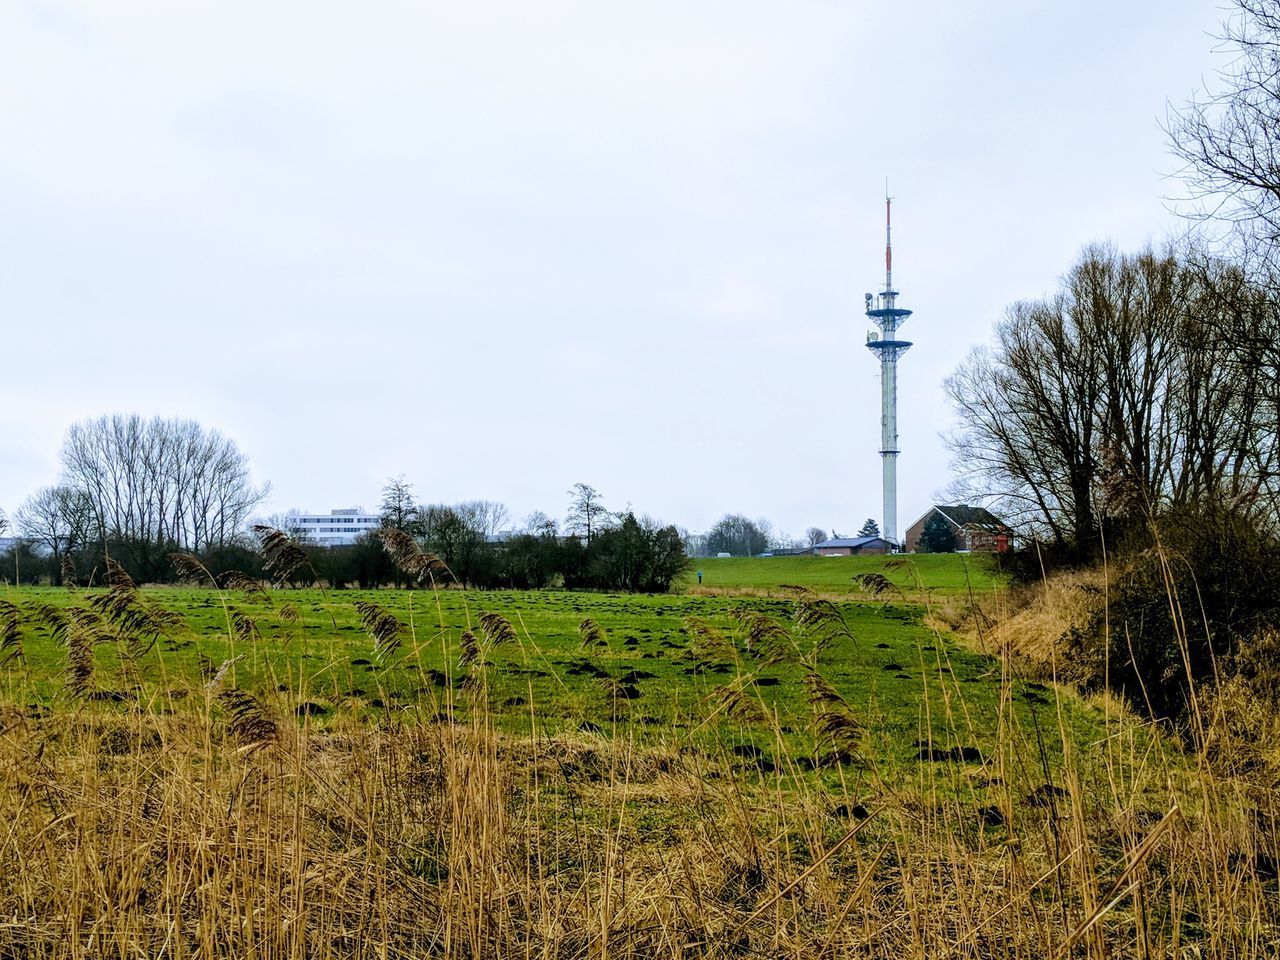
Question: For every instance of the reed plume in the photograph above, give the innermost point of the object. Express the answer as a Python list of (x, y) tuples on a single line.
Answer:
[(834, 719), (821, 620), (280, 552), (386, 631), (10, 632), (138, 623), (591, 634), (213, 676), (244, 626), (248, 721), (78, 675), (469, 650), (733, 701), (877, 584), (766, 638), (496, 629), (252, 587), (409, 558), (711, 643), (191, 571)]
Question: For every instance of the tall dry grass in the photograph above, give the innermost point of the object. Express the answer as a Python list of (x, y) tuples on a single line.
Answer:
[(207, 821), (1038, 623)]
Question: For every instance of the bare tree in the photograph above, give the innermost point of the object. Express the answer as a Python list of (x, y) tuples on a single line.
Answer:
[(1229, 138), (399, 511), (587, 513), (398, 508), (735, 534), (1027, 420), (288, 522), (539, 524), (157, 485), (60, 519), (814, 536), (486, 517), (457, 535), (1146, 382)]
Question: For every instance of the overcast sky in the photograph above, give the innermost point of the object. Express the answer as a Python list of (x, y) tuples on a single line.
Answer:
[(504, 247)]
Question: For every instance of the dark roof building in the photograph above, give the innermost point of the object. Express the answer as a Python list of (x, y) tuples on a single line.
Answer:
[(851, 546), (975, 528)]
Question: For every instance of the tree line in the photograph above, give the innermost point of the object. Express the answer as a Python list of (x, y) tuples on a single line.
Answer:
[(139, 490), (598, 549), (633, 555), (739, 536), (1133, 415), (1147, 383)]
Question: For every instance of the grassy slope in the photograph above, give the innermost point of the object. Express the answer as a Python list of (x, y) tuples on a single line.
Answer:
[(945, 574)]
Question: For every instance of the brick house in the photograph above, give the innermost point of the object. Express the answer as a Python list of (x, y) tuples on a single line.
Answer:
[(976, 529)]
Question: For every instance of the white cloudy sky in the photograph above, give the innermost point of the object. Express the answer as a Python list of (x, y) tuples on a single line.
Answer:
[(500, 247)]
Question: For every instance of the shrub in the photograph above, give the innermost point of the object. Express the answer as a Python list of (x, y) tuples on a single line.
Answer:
[(1189, 606)]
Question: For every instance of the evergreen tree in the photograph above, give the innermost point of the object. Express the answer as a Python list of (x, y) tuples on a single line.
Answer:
[(938, 536)]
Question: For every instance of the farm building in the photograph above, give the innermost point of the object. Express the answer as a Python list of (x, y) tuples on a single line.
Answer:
[(975, 528), (851, 546)]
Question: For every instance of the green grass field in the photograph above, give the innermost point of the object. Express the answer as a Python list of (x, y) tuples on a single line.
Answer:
[(944, 574), (649, 679)]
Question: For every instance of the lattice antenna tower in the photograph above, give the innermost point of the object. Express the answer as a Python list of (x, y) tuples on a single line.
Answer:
[(884, 343)]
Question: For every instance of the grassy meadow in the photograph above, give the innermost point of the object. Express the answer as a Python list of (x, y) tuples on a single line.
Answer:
[(645, 677), (940, 574), (746, 768)]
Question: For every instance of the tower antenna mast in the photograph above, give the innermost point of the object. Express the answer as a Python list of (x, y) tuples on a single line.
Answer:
[(888, 316)]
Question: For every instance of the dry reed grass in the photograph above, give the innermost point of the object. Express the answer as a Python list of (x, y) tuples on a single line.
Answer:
[(217, 832), (197, 822), (1037, 623)]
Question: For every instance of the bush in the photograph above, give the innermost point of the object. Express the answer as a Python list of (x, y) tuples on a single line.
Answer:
[(636, 556), (1189, 607)]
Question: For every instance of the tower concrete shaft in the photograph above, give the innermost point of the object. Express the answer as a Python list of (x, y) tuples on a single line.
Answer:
[(888, 316)]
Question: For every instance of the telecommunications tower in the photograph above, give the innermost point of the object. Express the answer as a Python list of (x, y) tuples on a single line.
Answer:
[(886, 315)]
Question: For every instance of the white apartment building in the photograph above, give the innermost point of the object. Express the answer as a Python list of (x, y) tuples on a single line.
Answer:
[(337, 528)]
